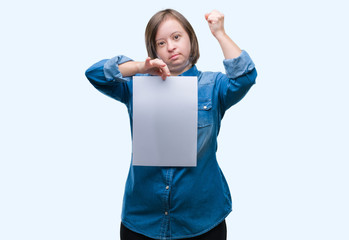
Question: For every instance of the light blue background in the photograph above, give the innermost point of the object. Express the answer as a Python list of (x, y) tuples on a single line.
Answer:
[(65, 147)]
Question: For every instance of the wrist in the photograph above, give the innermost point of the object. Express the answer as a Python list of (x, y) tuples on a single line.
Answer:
[(140, 66), (220, 35)]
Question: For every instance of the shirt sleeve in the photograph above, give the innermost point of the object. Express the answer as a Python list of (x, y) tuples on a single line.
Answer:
[(239, 78), (105, 76)]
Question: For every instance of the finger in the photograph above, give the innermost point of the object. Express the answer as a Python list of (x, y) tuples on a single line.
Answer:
[(214, 13), (163, 77), (166, 70), (161, 73), (157, 63), (157, 72), (161, 65), (160, 68), (211, 18), (147, 62), (206, 15)]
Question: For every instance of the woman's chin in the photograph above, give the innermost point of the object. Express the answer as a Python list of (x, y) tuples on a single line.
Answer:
[(177, 69)]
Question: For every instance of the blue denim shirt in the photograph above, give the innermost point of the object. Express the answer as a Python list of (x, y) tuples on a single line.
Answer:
[(180, 202)]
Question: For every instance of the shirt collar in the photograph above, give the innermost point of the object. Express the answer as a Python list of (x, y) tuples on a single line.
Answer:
[(193, 71)]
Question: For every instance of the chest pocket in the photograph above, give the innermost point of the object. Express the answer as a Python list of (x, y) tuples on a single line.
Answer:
[(204, 113)]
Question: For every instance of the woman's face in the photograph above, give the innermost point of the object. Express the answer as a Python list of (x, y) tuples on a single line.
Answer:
[(173, 46)]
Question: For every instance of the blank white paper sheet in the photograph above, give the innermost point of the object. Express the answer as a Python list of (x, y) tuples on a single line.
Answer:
[(164, 121)]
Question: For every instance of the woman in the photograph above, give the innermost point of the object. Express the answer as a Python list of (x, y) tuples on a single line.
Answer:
[(179, 202)]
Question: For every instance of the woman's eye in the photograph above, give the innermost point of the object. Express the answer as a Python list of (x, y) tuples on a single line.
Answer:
[(176, 37), (160, 44)]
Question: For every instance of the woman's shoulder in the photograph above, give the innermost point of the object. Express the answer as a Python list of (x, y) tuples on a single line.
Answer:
[(209, 77)]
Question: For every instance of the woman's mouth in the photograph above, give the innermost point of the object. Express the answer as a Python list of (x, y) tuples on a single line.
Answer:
[(174, 56)]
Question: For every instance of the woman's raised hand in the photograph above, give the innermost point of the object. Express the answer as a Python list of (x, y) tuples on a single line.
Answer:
[(156, 67), (215, 20)]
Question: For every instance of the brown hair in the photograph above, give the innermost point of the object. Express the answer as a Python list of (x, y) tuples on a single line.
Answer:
[(152, 28)]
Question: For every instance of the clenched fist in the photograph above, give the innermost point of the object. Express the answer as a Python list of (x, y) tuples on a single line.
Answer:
[(215, 20)]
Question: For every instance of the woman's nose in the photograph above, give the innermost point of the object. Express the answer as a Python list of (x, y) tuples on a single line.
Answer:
[(170, 46)]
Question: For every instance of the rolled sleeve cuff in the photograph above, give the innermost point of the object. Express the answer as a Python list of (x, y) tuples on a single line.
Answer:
[(239, 66), (111, 68)]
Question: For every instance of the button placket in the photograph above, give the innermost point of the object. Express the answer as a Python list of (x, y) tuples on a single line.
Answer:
[(165, 225)]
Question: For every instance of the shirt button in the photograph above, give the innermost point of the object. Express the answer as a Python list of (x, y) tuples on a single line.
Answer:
[(166, 213), (205, 107), (167, 187)]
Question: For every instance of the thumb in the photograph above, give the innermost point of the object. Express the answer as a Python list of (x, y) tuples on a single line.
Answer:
[(206, 15), (147, 61)]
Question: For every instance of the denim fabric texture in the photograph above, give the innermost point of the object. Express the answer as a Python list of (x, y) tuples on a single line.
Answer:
[(180, 202)]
